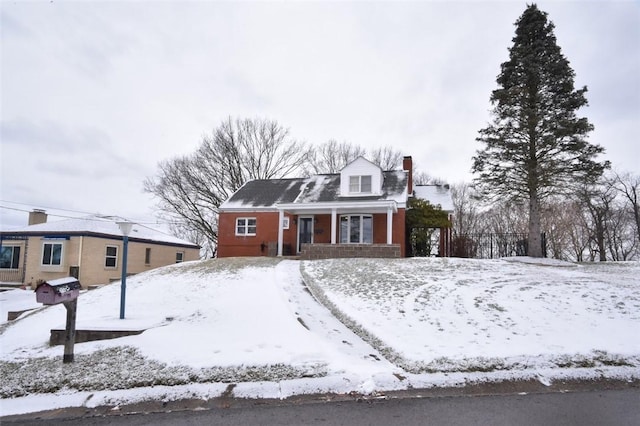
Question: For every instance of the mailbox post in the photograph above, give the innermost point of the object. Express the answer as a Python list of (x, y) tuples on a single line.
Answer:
[(65, 291)]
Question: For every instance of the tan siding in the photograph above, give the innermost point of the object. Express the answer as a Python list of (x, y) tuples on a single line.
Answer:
[(92, 261)]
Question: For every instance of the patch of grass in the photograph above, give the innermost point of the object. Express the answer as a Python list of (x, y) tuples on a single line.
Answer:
[(125, 368), (496, 307), (226, 264)]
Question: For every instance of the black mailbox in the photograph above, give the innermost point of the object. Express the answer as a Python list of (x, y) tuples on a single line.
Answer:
[(58, 291)]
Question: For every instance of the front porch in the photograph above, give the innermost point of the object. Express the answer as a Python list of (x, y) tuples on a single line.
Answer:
[(11, 277), (334, 230)]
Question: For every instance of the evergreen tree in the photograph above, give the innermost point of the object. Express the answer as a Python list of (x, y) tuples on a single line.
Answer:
[(535, 145), (422, 219)]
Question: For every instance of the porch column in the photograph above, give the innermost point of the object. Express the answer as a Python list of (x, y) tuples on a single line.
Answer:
[(280, 231), (333, 225), (389, 225)]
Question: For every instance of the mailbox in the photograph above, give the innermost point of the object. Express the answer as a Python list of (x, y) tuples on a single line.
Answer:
[(58, 291)]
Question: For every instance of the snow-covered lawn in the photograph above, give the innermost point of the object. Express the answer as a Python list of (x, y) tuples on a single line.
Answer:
[(252, 323), (438, 315)]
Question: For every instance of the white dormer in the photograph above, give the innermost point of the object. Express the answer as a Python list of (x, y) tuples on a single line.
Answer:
[(360, 178)]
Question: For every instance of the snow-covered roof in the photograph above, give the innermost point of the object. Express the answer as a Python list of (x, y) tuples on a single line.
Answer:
[(62, 281), (268, 193), (436, 195), (98, 226)]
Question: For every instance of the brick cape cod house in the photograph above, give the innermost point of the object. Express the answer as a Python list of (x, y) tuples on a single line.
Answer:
[(359, 212)]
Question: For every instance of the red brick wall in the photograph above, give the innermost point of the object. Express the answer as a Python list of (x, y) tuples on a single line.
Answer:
[(229, 244), (322, 229), (267, 232), (334, 251)]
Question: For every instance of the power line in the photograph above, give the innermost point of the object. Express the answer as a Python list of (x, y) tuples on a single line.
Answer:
[(92, 215)]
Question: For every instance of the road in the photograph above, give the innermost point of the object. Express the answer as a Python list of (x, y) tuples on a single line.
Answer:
[(609, 407)]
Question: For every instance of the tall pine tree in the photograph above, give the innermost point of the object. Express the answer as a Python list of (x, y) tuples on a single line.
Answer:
[(535, 145)]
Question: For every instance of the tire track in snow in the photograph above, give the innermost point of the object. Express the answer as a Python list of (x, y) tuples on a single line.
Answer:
[(348, 350)]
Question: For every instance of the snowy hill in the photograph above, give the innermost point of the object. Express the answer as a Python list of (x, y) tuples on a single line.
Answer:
[(252, 322)]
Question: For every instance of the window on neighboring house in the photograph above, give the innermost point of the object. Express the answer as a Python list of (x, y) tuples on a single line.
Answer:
[(9, 257), (111, 257), (52, 254), (356, 229), (179, 257), (360, 184), (147, 256), (246, 226)]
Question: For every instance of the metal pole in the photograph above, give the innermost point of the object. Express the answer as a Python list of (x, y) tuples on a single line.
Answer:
[(123, 285)]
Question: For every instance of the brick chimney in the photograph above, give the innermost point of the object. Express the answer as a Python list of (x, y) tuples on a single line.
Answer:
[(37, 216), (407, 165)]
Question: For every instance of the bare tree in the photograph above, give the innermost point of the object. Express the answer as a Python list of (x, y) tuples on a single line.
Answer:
[(505, 218), (423, 178), (332, 156), (620, 234), (567, 237), (579, 234), (387, 157), (191, 188), (466, 209), (628, 185), (597, 200)]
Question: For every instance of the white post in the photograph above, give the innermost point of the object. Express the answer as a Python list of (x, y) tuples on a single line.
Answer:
[(333, 225), (280, 231), (389, 225)]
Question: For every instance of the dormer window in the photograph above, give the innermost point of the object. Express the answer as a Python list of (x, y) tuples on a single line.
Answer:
[(360, 184), (361, 178)]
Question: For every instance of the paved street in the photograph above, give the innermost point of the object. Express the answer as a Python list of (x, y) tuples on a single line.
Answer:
[(609, 407)]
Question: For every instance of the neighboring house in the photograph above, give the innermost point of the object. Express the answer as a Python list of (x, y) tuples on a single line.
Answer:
[(439, 195), (88, 248), (359, 212)]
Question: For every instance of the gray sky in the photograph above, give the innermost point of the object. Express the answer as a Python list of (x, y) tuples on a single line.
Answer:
[(95, 94)]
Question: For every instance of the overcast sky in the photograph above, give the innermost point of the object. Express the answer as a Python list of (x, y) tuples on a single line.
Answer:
[(95, 94)]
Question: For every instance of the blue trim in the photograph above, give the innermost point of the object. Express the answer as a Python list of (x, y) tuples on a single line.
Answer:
[(68, 235)]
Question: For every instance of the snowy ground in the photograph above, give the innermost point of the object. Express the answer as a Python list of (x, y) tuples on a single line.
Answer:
[(251, 322)]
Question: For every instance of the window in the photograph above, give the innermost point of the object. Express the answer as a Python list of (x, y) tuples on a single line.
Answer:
[(52, 254), (285, 223), (111, 257), (9, 257), (360, 184), (356, 229), (179, 257), (246, 226), (147, 256)]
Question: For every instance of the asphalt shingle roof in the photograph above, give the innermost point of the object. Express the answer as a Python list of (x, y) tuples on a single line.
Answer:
[(314, 189)]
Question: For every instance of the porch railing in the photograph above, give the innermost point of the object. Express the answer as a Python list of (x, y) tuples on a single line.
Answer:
[(12, 276)]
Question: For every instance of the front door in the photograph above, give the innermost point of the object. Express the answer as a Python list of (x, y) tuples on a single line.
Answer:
[(305, 231)]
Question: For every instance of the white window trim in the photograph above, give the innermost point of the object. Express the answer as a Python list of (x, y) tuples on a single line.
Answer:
[(360, 191), (52, 243), (106, 256), (246, 232), (181, 253), (361, 231), (50, 267), (285, 222)]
